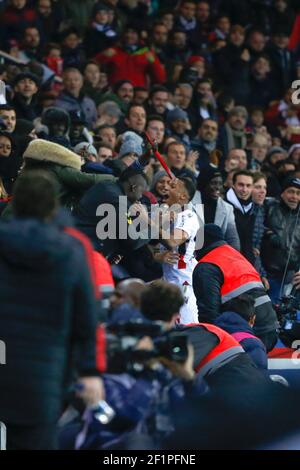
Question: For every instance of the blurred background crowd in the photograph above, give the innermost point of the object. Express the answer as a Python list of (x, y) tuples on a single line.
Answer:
[(215, 85)]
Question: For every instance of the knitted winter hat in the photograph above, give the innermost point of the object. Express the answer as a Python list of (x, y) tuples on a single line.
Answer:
[(132, 143), (158, 176), (86, 146), (291, 182), (175, 114), (55, 115), (23, 75)]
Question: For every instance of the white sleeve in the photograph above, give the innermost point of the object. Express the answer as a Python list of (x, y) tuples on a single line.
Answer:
[(188, 222)]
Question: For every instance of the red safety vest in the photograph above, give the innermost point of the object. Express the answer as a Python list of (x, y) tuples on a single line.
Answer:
[(227, 348), (239, 275)]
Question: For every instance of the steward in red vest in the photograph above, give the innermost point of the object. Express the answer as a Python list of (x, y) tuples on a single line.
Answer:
[(223, 274), (219, 358)]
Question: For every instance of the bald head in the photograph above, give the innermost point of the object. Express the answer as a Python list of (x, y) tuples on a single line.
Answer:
[(128, 292)]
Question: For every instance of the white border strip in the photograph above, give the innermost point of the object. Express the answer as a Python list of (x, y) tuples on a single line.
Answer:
[(283, 364), (2, 436)]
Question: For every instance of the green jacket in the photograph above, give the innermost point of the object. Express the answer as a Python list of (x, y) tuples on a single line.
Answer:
[(70, 183)]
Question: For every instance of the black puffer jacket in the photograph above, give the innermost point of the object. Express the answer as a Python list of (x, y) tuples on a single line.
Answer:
[(282, 235)]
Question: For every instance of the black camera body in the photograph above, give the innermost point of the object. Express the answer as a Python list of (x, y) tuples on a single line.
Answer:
[(122, 339), (289, 325)]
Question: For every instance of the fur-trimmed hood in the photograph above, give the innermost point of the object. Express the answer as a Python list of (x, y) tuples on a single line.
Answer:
[(43, 150)]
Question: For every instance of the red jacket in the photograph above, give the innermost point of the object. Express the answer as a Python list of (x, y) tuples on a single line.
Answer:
[(134, 67), (295, 36)]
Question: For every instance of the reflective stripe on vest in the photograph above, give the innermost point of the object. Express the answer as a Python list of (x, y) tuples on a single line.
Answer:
[(239, 275), (227, 349)]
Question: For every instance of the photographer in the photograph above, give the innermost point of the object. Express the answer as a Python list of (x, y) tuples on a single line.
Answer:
[(281, 243), (218, 357), (142, 384)]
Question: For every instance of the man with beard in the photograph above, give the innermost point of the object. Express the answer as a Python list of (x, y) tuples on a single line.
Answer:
[(205, 142), (281, 245), (158, 100)]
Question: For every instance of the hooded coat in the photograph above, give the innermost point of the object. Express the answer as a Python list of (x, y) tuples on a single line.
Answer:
[(64, 167), (233, 323)]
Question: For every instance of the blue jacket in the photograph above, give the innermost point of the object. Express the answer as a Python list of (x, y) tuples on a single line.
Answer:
[(234, 323), (143, 405)]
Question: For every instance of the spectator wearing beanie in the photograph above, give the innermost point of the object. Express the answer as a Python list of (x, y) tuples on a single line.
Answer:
[(89, 154), (160, 185), (131, 148), (178, 124), (55, 125), (281, 245), (26, 86), (215, 209), (100, 35)]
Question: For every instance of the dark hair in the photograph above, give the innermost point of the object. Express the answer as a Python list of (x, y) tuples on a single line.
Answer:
[(177, 30), (100, 145), (258, 175), (7, 107), (10, 138), (140, 88), (189, 186), (254, 109), (188, 1), (155, 117), (241, 173), (161, 300), (65, 33), (90, 62), (243, 305), (34, 195), (156, 89), (174, 143), (105, 126), (130, 173), (134, 105), (204, 80), (119, 84)]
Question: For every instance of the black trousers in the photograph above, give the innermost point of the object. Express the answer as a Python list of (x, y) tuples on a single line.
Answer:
[(35, 437)]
